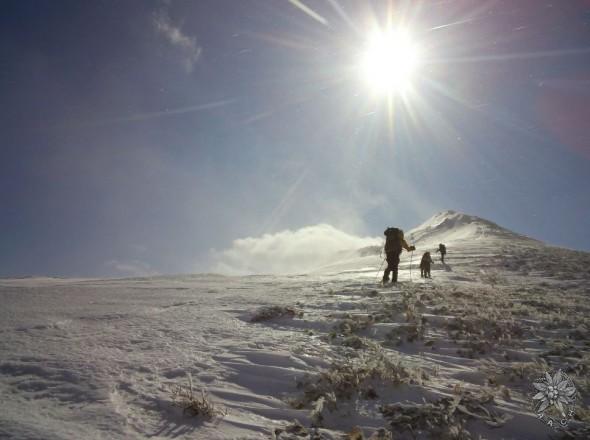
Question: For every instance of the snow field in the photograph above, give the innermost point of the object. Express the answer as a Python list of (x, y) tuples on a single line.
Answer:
[(451, 357)]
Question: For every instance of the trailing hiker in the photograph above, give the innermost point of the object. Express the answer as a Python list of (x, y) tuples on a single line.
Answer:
[(443, 251), (425, 265), (394, 243)]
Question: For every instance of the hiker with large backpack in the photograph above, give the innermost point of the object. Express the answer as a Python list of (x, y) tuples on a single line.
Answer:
[(443, 251), (394, 243), (425, 265)]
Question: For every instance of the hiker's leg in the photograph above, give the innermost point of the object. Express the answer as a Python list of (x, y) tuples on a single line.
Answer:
[(394, 267), (387, 269), (386, 274)]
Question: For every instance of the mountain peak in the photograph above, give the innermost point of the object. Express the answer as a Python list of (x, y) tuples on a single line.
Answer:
[(450, 225)]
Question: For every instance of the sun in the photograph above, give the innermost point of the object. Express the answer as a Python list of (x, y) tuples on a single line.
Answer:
[(390, 61)]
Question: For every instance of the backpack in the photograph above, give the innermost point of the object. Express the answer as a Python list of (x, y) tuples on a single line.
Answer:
[(442, 248), (393, 239)]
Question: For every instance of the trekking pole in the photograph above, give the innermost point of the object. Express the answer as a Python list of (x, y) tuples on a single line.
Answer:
[(379, 271), (383, 261), (411, 256)]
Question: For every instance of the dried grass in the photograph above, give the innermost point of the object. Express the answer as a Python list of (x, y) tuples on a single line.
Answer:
[(354, 377), (196, 404), (445, 418), (273, 312)]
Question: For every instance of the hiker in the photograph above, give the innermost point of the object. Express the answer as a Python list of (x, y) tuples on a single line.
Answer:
[(425, 265), (443, 251), (394, 243)]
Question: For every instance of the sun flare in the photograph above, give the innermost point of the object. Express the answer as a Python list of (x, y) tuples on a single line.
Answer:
[(390, 61)]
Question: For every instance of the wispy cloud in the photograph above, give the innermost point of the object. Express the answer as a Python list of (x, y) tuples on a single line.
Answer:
[(187, 45), (288, 251)]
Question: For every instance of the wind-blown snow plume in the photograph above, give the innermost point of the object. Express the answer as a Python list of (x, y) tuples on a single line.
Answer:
[(288, 251)]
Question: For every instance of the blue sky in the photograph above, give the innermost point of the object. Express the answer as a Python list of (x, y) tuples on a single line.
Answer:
[(139, 137)]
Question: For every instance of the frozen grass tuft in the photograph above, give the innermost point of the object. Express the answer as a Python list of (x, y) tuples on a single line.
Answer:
[(445, 418), (296, 431), (493, 278), (354, 378), (358, 343), (273, 312), (353, 324), (357, 434), (513, 372), (196, 404)]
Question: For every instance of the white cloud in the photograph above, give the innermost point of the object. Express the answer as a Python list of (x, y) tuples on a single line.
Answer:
[(188, 46), (133, 268), (288, 251)]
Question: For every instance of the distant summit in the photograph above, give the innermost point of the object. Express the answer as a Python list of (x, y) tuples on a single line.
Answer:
[(473, 243), (449, 226), (452, 226)]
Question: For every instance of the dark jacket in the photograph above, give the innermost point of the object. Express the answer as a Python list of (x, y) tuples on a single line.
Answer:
[(426, 260), (394, 241)]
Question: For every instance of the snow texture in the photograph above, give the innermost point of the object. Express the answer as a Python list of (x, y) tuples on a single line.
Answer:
[(330, 349)]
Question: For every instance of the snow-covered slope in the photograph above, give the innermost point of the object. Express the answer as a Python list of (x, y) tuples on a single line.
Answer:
[(467, 237), (451, 226), (450, 357)]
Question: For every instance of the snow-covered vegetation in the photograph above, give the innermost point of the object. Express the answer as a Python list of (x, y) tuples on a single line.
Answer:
[(324, 355)]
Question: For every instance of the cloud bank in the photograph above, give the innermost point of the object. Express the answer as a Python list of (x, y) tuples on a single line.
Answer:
[(287, 252)]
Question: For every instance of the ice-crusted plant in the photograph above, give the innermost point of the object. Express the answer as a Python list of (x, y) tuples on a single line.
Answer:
[(272, 312), (351, 325), (411, 332), (563, 350), (512, 372), (493, 278), (445, 418), (482, 332), (414, 329), (296, 431), (357, 343), (354, 377), (195, 403)]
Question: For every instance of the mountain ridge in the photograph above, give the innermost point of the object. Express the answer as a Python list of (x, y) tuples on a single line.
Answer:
[(450, 226)]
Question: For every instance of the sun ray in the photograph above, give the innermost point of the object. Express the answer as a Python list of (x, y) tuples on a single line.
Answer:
[(340, 10), (310, 12), (514, 56), (455, 23), (280, 209), (161, 114)]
